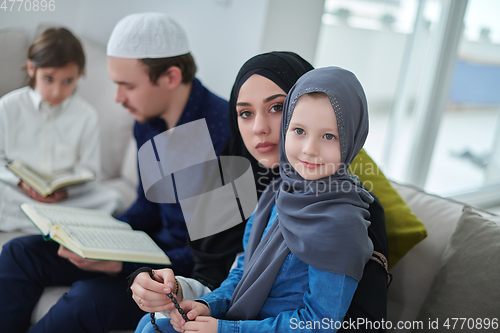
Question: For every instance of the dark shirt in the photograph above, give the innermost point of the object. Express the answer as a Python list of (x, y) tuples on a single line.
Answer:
[(369, 304), (165, 222)]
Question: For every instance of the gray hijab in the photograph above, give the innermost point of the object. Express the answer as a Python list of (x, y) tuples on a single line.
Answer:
[(323, 222)]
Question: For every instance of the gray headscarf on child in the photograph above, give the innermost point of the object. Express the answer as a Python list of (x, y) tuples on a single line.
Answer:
[(324, 222)]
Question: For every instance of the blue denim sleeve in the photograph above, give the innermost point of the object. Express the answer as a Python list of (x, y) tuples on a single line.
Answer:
[(219, 299), (324, 305)]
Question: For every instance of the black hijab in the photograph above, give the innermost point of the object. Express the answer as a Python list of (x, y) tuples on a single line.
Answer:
[(284, 69), (214, 255), (323, 222)]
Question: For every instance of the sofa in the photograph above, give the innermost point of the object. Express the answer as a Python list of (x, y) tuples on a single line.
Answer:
[(413, 277)]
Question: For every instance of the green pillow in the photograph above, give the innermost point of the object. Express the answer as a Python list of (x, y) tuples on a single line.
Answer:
[(404, 229)]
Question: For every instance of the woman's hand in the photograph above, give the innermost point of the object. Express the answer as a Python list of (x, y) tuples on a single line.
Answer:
[(151, 295), (53, 198), (193, 310)]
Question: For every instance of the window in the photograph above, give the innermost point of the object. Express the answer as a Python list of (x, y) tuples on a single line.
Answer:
[(392, 46)]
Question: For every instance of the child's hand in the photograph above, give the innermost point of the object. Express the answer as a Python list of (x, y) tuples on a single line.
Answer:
[(202, 324), (53, 198), (192, 309)]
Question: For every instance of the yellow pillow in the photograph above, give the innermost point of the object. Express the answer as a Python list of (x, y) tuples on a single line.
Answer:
[(404, 229)]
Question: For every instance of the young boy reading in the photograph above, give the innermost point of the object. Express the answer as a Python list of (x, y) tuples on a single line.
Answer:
[(51, 130)]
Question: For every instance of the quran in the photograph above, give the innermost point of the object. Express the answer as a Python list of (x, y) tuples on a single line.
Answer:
[(94, 234), (47, 185)]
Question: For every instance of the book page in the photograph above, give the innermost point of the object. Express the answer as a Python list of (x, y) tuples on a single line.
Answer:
[(71, 178), (59, 215), (44, 184), (107, 239), (110, 244), (28, 175)]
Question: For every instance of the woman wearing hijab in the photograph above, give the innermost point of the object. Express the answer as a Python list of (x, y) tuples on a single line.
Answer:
[(282, 68), (215, 254), (307, 243)]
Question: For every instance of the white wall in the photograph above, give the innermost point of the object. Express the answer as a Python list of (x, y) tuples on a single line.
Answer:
[(223, 34), (293, 25), (375, 57)]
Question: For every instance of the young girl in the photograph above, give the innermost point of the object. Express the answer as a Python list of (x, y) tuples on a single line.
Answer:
[(52, 130), (309, 242)]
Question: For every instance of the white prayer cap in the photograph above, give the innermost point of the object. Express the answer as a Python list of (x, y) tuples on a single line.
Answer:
[(147, 35)]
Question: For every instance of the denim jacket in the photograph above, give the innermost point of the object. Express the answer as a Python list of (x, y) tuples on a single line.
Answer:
[(302, 298)]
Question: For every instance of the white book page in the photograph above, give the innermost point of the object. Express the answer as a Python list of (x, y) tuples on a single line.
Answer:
[(107, 239), (31, 174), (82, 175), (66, 216)]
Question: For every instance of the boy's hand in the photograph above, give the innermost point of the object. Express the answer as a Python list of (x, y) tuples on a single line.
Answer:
[(202, 325), (151, 295), (104, 266), (193, 310), (53, 198)]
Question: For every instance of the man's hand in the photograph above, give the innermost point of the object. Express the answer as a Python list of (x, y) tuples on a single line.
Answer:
[(53, 198), (103, 266), (151, 295), (193, 310)]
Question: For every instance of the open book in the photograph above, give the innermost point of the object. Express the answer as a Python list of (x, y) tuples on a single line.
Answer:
[(45, 185), (94, 234)]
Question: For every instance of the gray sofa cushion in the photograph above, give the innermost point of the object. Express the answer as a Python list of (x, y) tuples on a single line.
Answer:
[(13, 55), (468, 275), (413, 275)]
